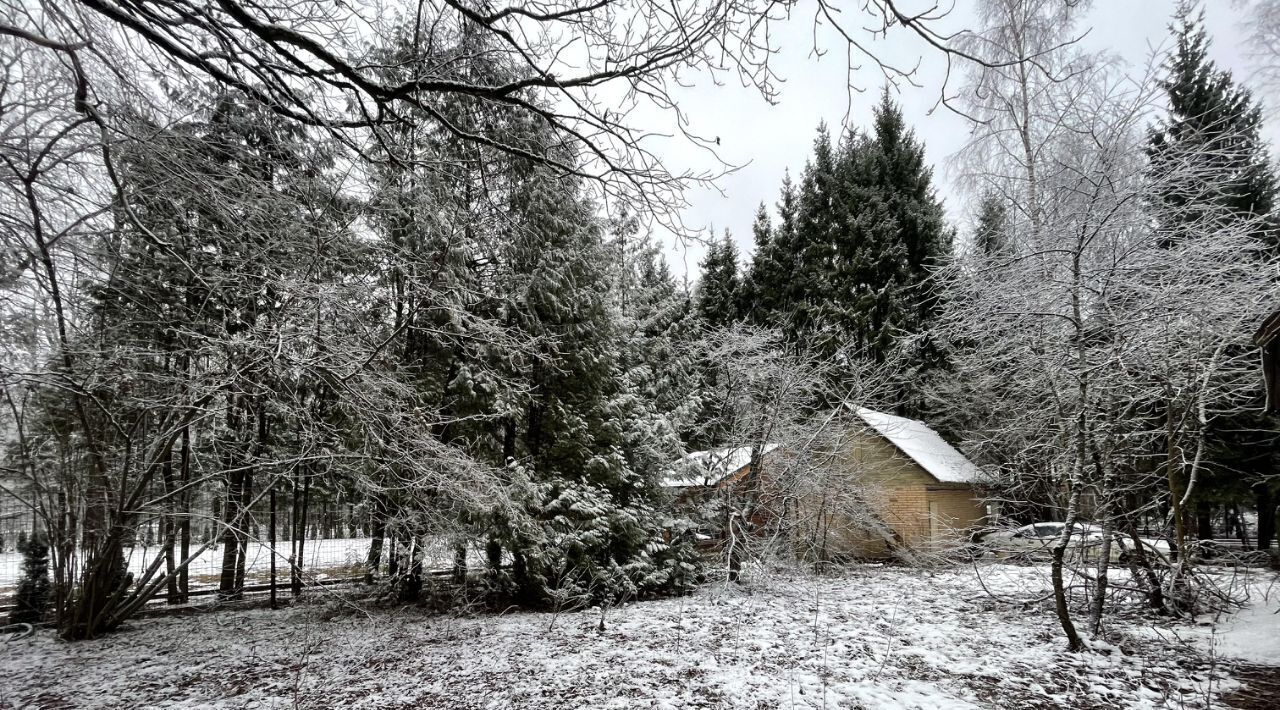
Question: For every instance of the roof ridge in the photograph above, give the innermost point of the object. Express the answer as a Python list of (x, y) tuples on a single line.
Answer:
[(920, 443)]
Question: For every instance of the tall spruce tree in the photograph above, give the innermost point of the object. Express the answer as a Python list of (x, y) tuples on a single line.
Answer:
[(991, 235), (1213, 128), (811, 243), (1213, 121), (845, 273), (757, 297), (767, 288), (782, 239), (890, 236), (655, 323), (589, 443), (717, 295)]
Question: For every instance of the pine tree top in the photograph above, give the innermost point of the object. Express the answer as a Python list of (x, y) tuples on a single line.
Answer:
[(1203, 99), (1211, 133)]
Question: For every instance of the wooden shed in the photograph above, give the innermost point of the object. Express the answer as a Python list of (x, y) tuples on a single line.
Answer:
[(892, 486), (712, 469), (1266, 338), (922, 490)]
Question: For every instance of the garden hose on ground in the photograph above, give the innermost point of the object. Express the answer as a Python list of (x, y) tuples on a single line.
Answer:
[(16, 632)]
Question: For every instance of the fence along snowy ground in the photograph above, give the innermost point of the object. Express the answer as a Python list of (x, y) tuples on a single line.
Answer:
[(332, 547)]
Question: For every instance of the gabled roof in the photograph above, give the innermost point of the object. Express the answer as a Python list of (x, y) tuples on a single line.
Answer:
[(1265, 338), (1268, 331), (708, 468), (922, 445)]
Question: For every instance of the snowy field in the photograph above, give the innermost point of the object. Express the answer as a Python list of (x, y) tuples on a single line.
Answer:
[(1251, 634), (321, 559), (869, 638)]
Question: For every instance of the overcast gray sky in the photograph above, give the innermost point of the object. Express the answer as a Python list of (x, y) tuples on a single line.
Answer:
[(774, 138)]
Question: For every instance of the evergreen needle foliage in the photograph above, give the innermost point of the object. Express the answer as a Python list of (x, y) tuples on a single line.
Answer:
[(34, 593)]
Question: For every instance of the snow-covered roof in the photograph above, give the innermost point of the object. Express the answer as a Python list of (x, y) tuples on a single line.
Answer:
[(707, 468), (924, 446)]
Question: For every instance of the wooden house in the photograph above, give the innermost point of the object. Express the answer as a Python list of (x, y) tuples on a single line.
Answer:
[(891, 486), (920, 489), (717, 468), (1266, 338)]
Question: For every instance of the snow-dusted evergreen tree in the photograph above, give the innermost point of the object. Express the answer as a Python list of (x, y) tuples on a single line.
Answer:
[(658, 398), (1216, 120), (441, 267), (766, 293), (34, 594), (783, 257), (846, 272), (656, 324), (590, 445), (757, 299), (1213, 128), (717, 294), (809, 245), (892, 235), (991, 234)]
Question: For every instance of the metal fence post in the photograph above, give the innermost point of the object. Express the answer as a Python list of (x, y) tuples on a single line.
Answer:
[(271, 540)]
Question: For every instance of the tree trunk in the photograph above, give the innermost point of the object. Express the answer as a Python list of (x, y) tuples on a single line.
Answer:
[(520, 574), (169, 527), (460, 563), (295, 510), (1171, 477), (301, 536), (184, 527), (1204, 520), (734, 554), (104, 575), (493, 554), (271, 541), (1101, 586), (242, 530), (378, 521), (1176, 589), (410, 582), (1241, 530), (230, 580), (1141, 562), (1266, 515), (1060, 600), (508, 440), (230, 541)]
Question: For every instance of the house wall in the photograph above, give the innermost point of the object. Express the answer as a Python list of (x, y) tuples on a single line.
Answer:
[(916, 508), (829, 519)]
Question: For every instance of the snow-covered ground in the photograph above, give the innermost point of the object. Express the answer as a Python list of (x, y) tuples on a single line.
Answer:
[(870, 637), (319, 557), (1251, 634)]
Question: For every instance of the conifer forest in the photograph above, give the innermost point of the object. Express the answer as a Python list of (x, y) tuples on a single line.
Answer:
[(636, 354)]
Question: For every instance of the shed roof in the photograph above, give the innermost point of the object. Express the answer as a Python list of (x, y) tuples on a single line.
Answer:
[(1265, 338), (1268, 331), (708, 468), (923, 445)]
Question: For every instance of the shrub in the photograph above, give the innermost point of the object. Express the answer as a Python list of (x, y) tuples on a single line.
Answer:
[(34, 589)]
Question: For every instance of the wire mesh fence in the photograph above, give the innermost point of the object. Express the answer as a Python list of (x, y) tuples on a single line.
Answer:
[(17, 522), (285, 543)]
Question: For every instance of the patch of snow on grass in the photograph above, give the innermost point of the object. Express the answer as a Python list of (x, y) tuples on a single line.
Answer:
[(885, 638), (1250, 634)]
